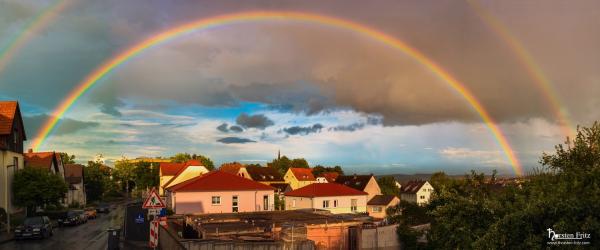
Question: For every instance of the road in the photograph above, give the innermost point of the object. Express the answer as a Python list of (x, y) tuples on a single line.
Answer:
[(89, 236)]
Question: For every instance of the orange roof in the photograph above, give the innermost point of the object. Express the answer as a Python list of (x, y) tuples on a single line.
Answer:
[(181, 169), (171, 168), (219, 181), (42, 160), (330, 176), (303, 174), (8, 111), (324, 190), (232, 168)]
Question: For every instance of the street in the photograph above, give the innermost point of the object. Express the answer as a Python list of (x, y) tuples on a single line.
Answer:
[(90, 236)]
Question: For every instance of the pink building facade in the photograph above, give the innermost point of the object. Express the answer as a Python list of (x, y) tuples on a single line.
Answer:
[(220, 192)]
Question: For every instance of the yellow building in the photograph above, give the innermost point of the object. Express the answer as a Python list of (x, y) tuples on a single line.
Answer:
[(299, 177), (175, 173)]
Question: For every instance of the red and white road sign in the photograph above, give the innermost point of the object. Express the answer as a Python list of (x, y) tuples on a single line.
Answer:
[(154, 234), (153, 200)]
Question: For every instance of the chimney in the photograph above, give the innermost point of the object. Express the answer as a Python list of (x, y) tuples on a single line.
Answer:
[(30, 150)]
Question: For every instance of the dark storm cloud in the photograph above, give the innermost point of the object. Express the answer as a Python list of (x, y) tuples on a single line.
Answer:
[(65, 126), (234, 140), (225, 128), (236, 129), (299, 130), (220, 67), (352, 127), (259, 121)]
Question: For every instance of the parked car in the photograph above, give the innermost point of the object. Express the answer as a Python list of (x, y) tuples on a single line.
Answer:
[(34, 227), (74, 217), (91, 213), (103, 208)]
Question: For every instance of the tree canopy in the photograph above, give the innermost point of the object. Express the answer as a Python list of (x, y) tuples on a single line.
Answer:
[(183, 157), (34, 187), (387, 184), (284, 163), (476, 213), (318, 169)]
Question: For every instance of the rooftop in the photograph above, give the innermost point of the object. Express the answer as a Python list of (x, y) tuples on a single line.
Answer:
[(382, 200), (218, 181), (354, 181), (303, 174), (412, 187), (264, 173), (324, 190)]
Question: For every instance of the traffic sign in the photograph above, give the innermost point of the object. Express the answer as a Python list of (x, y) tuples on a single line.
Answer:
[(153, 200), (154, 211)]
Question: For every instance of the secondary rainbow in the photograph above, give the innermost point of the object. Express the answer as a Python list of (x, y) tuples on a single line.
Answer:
[(206, 23), (38, 23), (526, 60)]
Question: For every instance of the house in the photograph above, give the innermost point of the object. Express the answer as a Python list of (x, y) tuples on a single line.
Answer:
[(220, 192), (378, 205), (50, 161), (327, 177), (168, 170), (333, 197), (12, 135), (299, 177), (190, 170), (366, 183), (416, 192), (265, 175), (235, 168), (75, 179)]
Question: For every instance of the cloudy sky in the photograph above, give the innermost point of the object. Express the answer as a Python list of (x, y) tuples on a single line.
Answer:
[(246, 90)]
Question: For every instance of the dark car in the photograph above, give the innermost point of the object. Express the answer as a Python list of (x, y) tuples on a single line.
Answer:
[(103, 208), (73, 217), (34, 227)]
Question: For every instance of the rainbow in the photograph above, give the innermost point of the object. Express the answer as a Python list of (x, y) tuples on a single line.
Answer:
[(38, 23), (217, 21), (526, 60)]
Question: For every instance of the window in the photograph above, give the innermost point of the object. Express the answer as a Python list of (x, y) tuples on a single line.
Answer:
[(216, 200), (294, 203), (266, 202), (325, 204), (422, 197), (16, 163), (335, 203), (377, 209), (16, 136), (353, 205), (234, 204)]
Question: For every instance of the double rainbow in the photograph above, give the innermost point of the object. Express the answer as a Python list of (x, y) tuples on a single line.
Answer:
[(38, 23), (217, 21), (534, 71)]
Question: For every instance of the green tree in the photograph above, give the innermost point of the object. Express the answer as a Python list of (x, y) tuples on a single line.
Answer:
[(67, 159), (299, 163), (146, 175), (562, 195), (387, 184), (282, 164), (183, 157), (97, 180), (317, 170), (33, 187), (124, 173)]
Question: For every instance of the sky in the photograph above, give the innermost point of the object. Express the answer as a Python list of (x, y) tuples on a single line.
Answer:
[(244, 91)]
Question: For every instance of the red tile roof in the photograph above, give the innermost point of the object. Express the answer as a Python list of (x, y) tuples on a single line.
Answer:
[(218, 181), (303, 174), (73, 170), (171, 168), (324, 190), (330, 176), (42, 160), (8, 111), (232, 168), (183, 168)]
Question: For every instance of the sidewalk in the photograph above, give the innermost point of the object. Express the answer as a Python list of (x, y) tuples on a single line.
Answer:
[(4, 237)]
